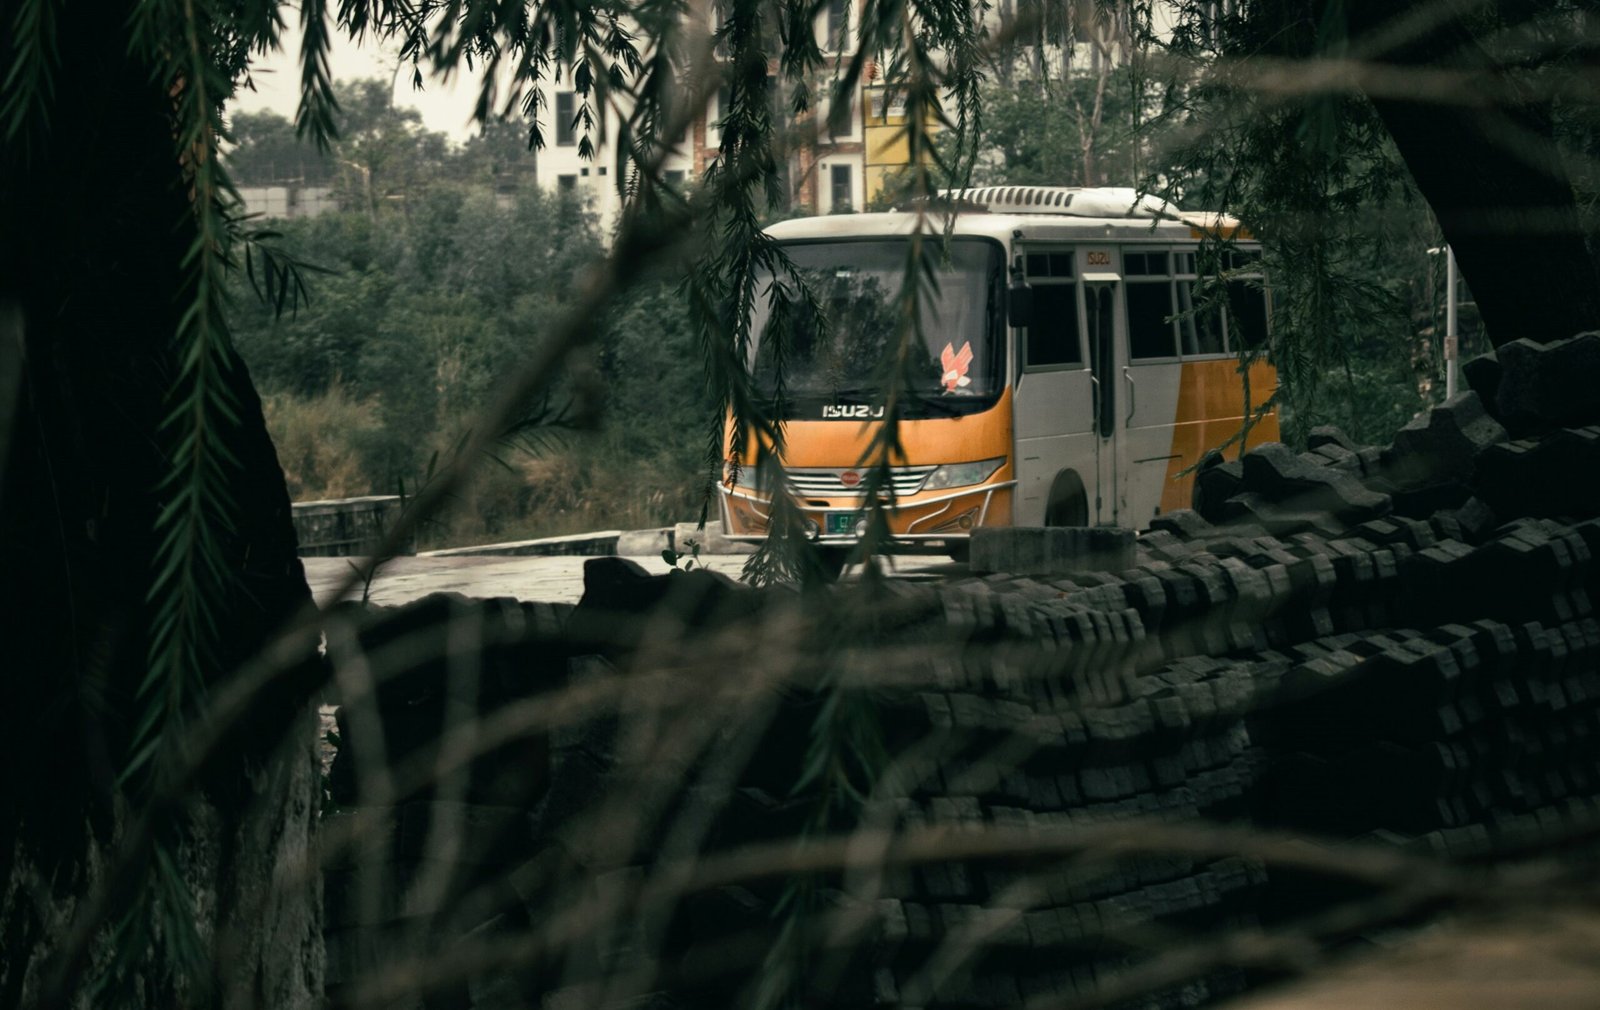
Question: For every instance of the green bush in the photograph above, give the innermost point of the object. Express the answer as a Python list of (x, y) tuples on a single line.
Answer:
[(428, 301)]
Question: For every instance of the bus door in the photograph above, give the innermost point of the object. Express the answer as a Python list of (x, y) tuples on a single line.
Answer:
[(1053, 400), (1101, 304), (1151, 380)]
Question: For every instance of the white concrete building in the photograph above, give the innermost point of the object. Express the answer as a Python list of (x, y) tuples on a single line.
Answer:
[(288, 201), (561, 166), (827, 177)]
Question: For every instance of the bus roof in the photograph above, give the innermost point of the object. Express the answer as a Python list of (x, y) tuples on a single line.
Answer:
[(1029, 212)]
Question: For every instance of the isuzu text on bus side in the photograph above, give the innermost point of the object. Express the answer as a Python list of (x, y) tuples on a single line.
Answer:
[(1069, 371)]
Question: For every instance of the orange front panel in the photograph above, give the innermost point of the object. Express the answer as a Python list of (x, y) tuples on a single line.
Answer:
[(1210, 411), (928, 442), (935, 440)]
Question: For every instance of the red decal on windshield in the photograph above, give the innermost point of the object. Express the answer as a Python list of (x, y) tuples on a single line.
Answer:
[(955, 366)]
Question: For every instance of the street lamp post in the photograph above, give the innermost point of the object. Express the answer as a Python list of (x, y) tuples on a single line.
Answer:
[(1452, 342)]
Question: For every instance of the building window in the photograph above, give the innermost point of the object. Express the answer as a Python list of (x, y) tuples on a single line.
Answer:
[(566, 132), (881, 105), (838, 25), (719, 109), (842, 126), (719, 18), (567, 183), (839, 189)]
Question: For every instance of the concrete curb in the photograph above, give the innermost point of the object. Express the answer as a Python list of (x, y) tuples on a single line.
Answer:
[(627, 543), (645, 543), (710, 539), (580, 544)]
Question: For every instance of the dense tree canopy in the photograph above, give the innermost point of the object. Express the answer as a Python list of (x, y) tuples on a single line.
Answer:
[(1306, 111), (266, 151), (419, 305)]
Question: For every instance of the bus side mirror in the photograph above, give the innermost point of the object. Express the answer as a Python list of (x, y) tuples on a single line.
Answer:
[(1019, 304)]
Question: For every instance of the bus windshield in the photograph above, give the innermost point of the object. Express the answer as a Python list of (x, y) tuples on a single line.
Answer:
[(835, 370)]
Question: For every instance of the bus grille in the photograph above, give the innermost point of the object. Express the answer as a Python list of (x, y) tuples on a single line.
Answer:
[(906, 480)]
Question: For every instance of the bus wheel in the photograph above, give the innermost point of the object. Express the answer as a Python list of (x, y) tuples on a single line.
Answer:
[(1069, 505), (831, 562)]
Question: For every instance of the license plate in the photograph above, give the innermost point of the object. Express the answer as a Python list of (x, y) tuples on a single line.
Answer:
[(842, 523)]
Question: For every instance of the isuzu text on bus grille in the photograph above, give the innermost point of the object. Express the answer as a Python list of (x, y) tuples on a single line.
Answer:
[(849, 411)]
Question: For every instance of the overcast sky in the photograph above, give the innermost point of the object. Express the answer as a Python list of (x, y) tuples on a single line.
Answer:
[(446, 109)]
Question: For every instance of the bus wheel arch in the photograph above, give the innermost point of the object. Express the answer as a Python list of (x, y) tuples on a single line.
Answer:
[(1068, 504)]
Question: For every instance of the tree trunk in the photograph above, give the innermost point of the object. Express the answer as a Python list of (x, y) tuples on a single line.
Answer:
[(94, 224), (1489, 167)]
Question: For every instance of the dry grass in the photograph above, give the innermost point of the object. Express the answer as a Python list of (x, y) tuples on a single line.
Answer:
[(318, 440), (576, 483)]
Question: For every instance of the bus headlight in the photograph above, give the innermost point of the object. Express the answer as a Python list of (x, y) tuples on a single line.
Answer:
[(962, 474)]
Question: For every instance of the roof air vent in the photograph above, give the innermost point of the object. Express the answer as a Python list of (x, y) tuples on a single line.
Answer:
[(1102, 202)]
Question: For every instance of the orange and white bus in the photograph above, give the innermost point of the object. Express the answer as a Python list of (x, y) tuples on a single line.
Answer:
[(1069, 368)]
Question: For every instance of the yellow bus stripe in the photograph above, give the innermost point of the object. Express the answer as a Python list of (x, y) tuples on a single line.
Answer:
[(1210, 410)]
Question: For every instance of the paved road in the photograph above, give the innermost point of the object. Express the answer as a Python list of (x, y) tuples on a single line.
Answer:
[(548, 580)]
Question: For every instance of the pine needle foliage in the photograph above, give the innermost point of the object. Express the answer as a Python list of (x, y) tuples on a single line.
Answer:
[(27, 86), (179, 39), (1254, 110)]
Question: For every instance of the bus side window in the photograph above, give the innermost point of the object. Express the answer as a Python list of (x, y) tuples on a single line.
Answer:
[(1150, 304), (1200, 331), (1053, 337), (1247, 314)]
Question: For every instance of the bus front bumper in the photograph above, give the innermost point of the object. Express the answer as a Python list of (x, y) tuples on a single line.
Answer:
[(940, 516)]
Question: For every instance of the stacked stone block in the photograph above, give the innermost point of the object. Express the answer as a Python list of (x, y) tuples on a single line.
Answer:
[(1392, 645)]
